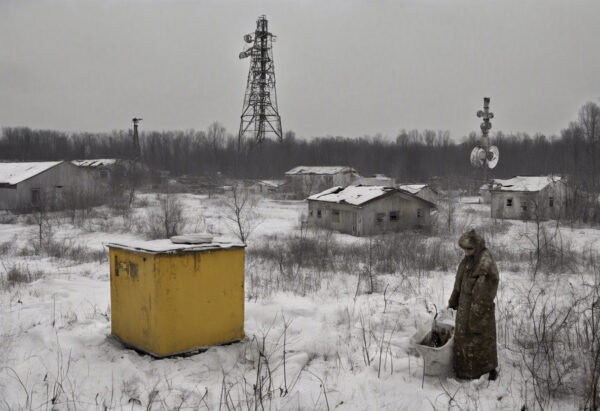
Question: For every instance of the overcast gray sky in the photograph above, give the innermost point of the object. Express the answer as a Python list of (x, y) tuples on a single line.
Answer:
[(342, 67)]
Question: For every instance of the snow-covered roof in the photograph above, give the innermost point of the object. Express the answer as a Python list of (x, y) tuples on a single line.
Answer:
[(97, 162), (412, 188), (523, 183), (354, 195), (14, 173), (165, 246), (272, 183), (320, 170)]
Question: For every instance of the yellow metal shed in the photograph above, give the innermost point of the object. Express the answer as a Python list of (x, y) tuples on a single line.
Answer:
[(169, 298)]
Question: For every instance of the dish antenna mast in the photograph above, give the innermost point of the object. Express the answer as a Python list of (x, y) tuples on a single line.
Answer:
[(484, 155), (137, 152), (260, 115)]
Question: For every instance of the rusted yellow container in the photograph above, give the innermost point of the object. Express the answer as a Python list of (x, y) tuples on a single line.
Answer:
[(171, 298)]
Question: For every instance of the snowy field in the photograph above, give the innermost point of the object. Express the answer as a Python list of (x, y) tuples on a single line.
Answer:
[(328, 317)]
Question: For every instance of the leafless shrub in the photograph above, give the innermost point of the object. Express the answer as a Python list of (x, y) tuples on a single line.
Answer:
[(18, 273), (587, 332), (167, 220), (71, 250), (544, 341), (299, 262), (240, 211), (5, 248), (7, 217), (548, 249)]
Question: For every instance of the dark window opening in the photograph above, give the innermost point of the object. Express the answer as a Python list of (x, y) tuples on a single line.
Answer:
[(35, 196), (524, 206), (318, 213), (379, 218), (335, 216), (310, 213), (509, 202), (551, 201), (419, 213), (394, 215)]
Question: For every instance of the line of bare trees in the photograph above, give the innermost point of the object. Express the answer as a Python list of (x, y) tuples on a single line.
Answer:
[(412, 156)]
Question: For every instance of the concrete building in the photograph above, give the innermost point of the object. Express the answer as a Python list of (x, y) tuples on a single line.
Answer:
[(375, 180), (368, 210), (24, 186), (266, 186), (527, 198), (304, 181), (484, 192), (100, 168), (424, 191)]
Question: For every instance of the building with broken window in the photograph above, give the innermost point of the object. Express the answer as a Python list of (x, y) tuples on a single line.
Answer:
[(304, 181), (529, 198), (368, 210)]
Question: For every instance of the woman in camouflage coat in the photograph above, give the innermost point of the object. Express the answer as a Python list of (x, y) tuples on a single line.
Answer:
[(473, 297)]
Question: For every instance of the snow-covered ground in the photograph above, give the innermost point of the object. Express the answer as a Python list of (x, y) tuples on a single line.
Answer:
[(317, 346)]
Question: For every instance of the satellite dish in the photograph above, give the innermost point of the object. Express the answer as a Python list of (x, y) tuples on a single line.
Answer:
[(493, 156), (246, 53), (248, 38), (477, 157)]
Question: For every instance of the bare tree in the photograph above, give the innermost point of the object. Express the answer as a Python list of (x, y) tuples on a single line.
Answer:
[(239, 209), (589, 120), (168, 220)]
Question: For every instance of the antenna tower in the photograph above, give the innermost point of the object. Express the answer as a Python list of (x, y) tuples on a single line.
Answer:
[(484, 155), (260, 115), (136, 139)]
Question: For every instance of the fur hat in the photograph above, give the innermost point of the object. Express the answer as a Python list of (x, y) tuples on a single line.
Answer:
[(470, 239)]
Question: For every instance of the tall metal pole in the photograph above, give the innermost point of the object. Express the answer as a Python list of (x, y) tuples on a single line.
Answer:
[(485, 126), (137, 152)]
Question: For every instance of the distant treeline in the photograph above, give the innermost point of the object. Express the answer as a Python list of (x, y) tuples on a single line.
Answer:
[(413, 155)]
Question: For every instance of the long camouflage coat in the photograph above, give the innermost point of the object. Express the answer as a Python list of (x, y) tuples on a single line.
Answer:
[(473, 297)]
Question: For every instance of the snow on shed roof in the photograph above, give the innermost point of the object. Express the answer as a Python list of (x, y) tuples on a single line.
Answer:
[(412, 188), (97, 162), (14, 173), (524, 183), (166, 246), (319, 170), (354, 195)]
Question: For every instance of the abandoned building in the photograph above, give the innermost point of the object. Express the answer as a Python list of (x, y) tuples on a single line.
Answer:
[(424, 191), (304, 181), (100, 169), (368, 210), (527, 198), (375, 180), (484, 191), (25, 186), (266, 186)]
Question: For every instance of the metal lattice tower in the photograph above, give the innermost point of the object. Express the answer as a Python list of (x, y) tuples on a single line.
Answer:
[(260, 115)]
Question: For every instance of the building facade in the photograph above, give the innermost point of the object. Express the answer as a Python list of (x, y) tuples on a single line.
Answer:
[(304, 181), (100, 169), (368, 210), (529, 198), (26, 186), (424, 191)]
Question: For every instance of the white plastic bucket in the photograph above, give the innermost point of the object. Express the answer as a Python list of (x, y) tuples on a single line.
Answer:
[(438, 361)]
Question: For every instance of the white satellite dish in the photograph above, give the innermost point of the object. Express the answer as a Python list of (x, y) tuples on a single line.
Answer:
[(477, 157), (493, 157)]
